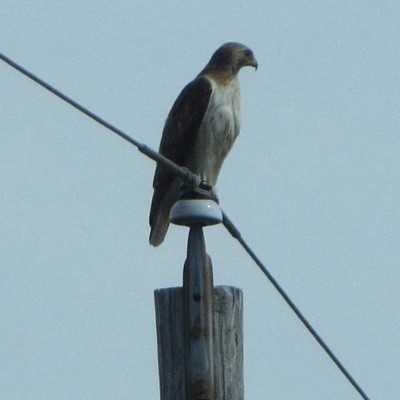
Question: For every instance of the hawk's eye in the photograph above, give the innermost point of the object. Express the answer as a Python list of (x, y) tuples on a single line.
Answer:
[(248, 53)]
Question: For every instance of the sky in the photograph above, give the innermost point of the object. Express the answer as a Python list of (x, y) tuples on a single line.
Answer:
[(313, 183)]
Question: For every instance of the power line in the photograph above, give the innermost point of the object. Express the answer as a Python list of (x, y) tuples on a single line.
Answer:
[(193, 180), (189, 178), (237, 235)]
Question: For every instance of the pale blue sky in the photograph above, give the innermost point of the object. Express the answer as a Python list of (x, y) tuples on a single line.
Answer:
[(313, 182)]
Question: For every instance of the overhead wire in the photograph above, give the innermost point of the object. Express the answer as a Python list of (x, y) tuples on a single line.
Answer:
[(189, 178), (192, 180), (237, 235)]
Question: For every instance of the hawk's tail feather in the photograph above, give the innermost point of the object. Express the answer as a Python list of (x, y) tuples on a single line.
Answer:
[(159, 230), (161, 206)]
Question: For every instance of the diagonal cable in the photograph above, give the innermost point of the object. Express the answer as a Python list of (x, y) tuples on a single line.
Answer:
[(192, 180), (189, 178), (237, 235)]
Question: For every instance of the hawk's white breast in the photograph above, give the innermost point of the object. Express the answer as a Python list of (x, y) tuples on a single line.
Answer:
[(218, 131)]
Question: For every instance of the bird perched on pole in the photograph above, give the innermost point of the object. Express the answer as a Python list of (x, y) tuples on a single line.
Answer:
[(200, 130)]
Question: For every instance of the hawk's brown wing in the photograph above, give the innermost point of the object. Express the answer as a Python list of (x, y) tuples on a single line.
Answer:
[(178, 138)]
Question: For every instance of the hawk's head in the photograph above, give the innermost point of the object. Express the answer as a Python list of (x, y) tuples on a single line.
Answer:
[(231, 57)]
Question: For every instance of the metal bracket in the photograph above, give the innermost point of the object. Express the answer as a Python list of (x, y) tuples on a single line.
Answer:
[(198, 319)]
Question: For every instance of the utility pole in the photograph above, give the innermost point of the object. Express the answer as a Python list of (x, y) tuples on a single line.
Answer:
[(199, 326)]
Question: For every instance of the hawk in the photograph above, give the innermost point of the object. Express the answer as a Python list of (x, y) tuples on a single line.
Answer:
[(200, 130)]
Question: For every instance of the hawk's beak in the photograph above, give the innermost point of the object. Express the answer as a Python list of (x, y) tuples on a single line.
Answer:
[(253, 63)]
